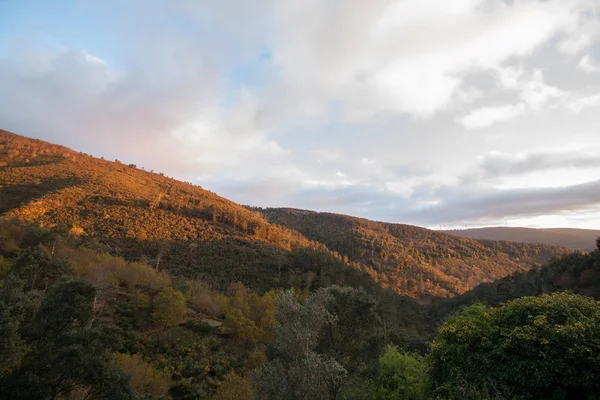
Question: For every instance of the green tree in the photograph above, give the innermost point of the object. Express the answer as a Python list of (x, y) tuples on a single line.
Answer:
[(355, 338), (16, 309), (37, 268), (169, 308), (531, 348), (65, 353), (297, 371), (401, 376)]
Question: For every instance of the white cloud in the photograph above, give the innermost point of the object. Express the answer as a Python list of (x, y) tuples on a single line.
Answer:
[(587, 64), (536, 93), (486, 116), (405, 56), (579, 104)]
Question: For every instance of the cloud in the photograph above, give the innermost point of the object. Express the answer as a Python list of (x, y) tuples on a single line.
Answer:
[(486, 116), (496, 164), (404, 56), (587, 64), (579, 104), (167, 110), (459, 205), (353, 107)]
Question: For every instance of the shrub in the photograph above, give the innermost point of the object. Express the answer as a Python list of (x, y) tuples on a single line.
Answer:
[(530, 348)]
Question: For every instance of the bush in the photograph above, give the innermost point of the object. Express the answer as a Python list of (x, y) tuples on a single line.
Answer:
[(234, 387), (145, 379), (531, 348), (401, 376), (169, 308)]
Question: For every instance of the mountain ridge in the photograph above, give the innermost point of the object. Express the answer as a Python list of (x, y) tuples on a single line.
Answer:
[(142, 215), (578, 239)]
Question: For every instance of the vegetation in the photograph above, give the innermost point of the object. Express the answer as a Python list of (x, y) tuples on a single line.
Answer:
[(116, 283), (545, 347), (186, 230), (414, 261)]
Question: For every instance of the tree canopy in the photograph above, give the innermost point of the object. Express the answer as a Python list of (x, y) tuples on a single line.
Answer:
[(529, 348)]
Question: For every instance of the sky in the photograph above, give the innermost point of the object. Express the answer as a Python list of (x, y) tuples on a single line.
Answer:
[(436, 113)]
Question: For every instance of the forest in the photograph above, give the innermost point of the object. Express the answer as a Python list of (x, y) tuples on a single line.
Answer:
[(121, 283)]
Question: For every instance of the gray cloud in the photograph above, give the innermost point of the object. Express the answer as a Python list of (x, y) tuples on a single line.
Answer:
[(499, 165), (459, 205)]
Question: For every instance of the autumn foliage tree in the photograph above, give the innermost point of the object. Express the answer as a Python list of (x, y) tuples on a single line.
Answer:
[(169, 308)]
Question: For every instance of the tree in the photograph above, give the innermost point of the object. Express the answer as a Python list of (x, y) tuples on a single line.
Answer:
[(145, 379), (529, 348), (65, 353), (16, 309), (355, 338), (234, 387), (296, 371), (401, 376), (35, 267), (169, 308)]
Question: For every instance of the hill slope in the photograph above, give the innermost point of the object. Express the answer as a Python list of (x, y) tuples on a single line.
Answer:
[(140, 215), (414, 259), (579, 239), (577, 272)]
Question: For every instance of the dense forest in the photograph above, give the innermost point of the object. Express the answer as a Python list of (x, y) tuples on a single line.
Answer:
[(413, 260), (121, 283), (79, 324)]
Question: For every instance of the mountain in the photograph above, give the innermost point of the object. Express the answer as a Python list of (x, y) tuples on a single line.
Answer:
[(579, 239), (416, 261), (186, 230)]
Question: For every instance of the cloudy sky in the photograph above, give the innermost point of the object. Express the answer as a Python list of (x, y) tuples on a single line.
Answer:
[(429, 112)]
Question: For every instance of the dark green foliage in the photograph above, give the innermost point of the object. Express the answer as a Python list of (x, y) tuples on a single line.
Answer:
[(65, 352), (37, 269), (356, 337), (296, 370), (531, 348), (16, 309)]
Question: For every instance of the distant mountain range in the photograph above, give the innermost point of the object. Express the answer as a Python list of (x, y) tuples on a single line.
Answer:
[(579, 239), (120, 209)]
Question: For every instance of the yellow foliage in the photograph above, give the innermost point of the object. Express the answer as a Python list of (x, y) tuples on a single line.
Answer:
[(234, 387), (145, 379), (169, 308)]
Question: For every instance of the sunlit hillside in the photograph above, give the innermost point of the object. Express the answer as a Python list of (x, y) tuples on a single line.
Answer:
[(142, 215)]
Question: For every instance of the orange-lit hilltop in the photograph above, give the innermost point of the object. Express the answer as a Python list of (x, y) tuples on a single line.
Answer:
[(186, 230)]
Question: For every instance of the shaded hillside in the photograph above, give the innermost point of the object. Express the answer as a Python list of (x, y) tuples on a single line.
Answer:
[(415, 260), (579, 239), (577, 272)]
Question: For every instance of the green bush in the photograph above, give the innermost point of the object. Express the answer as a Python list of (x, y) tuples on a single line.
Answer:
[(531, 348)]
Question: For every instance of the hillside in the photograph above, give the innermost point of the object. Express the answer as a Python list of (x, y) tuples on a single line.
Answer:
[(414, 259), (578, 239), (577, 272), (182, 228)]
